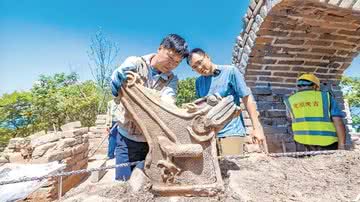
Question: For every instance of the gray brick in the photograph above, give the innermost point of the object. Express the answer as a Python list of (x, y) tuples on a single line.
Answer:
[(276, 113), (262, 91)]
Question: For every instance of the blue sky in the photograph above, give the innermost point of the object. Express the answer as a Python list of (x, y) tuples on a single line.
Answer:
[(46, 37)]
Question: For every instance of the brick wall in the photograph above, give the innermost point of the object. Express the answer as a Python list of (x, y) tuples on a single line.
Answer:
[(284, 38), (69, 146)]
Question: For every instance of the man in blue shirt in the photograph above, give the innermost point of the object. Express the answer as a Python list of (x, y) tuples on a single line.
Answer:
[(156, 71), (224, 81)]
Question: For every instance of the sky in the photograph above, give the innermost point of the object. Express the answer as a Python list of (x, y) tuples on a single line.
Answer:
[(47, 37)]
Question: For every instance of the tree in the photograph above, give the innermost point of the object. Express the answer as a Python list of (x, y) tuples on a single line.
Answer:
[(48, 103), (351, 88), (81, 102), (15, 114), (102, 54), (186, 91)]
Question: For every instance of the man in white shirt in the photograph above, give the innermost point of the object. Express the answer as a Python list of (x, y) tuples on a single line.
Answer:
[(156, 69)]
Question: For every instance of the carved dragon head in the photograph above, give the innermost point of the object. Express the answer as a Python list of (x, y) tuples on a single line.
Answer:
[(216, 112)]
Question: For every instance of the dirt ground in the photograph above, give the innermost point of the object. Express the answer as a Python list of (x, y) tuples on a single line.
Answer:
[(257, 177)]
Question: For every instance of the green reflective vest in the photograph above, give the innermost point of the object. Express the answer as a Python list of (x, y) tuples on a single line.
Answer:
[(311, 121)]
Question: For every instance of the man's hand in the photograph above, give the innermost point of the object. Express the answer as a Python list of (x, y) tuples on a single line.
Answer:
[(258, 137), (116, 81)]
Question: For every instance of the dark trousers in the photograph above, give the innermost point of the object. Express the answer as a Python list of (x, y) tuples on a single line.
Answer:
[(303, 147), (112, 140), (129, 151)]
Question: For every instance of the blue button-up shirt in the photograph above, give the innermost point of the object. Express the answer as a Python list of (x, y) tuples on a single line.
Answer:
[(228, 82)]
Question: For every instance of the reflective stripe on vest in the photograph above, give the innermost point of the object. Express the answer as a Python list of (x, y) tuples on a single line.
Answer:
[(311, 121)]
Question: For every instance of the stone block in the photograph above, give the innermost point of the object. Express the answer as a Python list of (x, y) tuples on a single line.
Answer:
[(265, 98), (97, 130), (259, 20), (258, 6), (97, 175), (138, 180), (82, 164), (249, 24), (75, 132), (249, 13), (264, 106), (59, 155), (71, 182), (275, 130), (4, 159), (17, 143), (71, 126), (35, 135), (252, 35), (240, 41), (334, 2), (42, 194), (79, 140), (263, 11), (65, 143), (101, 116), (80, 148), (279, 121), (16, 157), (85, 138), (276, 113), (280, 91), (42, 149), (100, 122), (51, 137), (261, 72), (43, 159), (261, 91), (252, 4)]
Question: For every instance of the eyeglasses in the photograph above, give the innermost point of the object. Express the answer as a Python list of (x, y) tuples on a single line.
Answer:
[(198, 63), (172, 59)]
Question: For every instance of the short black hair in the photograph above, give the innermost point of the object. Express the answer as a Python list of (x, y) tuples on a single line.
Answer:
[(177, 43), (197, 51)]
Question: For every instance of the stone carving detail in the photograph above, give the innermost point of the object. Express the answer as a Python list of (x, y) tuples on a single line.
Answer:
[(182, 156)]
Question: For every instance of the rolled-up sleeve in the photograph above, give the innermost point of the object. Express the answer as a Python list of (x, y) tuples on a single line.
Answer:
[(128, 65), (335, 110)]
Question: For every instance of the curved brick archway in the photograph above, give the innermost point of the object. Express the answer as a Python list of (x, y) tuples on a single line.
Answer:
[(283, 38)]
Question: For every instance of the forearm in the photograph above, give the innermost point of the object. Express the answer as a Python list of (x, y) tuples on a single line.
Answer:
[(340, 129), (253, 113)]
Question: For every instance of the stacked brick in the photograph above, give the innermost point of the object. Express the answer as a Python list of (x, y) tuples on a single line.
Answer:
[(69, 147), (244, 43), (282, 39), (98, 145)]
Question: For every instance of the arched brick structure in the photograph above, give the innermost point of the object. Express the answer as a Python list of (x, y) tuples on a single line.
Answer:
[(283, 38)]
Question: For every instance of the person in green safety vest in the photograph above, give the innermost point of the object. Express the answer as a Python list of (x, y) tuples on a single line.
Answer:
[(316, 117)]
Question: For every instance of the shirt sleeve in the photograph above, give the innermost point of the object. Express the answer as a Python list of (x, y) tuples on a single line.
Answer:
[(335, 110), (128, 65), (197, 88), (238, 83), (168, 93)]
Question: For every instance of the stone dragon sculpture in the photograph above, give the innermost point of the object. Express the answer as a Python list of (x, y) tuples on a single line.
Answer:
[(182, 158)]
